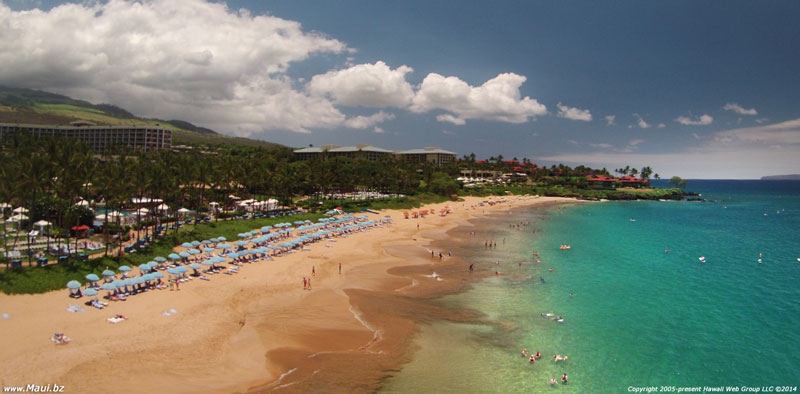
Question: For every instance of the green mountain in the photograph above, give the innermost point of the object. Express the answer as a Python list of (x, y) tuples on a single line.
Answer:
[(27, 106)]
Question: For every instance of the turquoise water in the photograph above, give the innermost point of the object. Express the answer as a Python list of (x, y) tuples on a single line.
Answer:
[(639, 316)]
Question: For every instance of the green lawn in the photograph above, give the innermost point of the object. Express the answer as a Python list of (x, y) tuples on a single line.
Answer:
[(56, 276)]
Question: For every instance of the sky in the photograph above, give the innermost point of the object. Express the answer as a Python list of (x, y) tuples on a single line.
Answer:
[(696, 89)]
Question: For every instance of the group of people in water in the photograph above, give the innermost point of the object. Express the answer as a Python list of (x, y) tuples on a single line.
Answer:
[(556, 358), (566, 247)]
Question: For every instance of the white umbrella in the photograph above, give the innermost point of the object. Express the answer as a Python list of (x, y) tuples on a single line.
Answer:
[(20, 210), (82, 203), (17, 218), (42, 223), (213, 204), (183, 210), (4, 205), (163, 207), (142, 211)]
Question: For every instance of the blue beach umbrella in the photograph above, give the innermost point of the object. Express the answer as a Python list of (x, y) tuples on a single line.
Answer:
[(172, 271), (223, 246), (160, 259), (206, 242), (129, 282), (144, 267), (240, 243), (186, 245), (195, 266), (214, 240), (208, 250), (195, 243), (208, 262), (266, 228), (118, 283), (124, 268), (174, 256), (194, 251), (73, 284), (233, 255), (148, 277), (108, 273), (184, 254), (222, 239), (158, 275), (90, 292), (92, 278), (108, 286)]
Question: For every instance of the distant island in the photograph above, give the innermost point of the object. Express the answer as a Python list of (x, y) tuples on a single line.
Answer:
[(790, 177)]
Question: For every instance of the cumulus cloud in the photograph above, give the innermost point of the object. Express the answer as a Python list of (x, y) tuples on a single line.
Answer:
[(363, 122), (739, 109), (189, 59), (704, 120), (452, 119), (641, 123), (497, 99), (610, 120), (367, 85), (602, 146), (574, 113)]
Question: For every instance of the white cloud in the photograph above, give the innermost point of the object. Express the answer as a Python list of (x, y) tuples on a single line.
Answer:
[(378, 130), (641, 123), (367, 85), (602, 146), (364, 122), (661, 126), (784, 133), (452, 119), (610, 120), (497, 99), (739, 109), (574, 113), (738, 153), (189, 59), (448, 132), (704, 120)]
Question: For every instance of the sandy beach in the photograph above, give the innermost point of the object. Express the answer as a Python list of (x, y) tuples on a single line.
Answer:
[(255, 331)]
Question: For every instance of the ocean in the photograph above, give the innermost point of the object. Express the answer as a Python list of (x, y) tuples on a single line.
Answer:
[(638, 316)]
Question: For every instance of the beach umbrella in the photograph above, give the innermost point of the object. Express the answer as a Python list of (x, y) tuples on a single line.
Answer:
[(108, 273), (148, 277), (108, 286), (184, 254), (174, 256), (144, 267), (194, 251), (186, 245), (195, 266), (90, 292), (214, 240), (243, 235), (240, 243), (129, 282), (142, 211), (266, 228), (20, 210), (124, 268), (73, 284), (160, 259), (206, 242), (163, 207), (233, 255), (158, 275), (183, 210), (208, 262), (118, 283), (223, 246), (172, 271), (222, 239), (208, 250), (92, 278), (218, 259), (181, 269), (152, 264), (195, 243)]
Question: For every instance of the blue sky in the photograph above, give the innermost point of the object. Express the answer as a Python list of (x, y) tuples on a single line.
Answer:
[(696, 89)]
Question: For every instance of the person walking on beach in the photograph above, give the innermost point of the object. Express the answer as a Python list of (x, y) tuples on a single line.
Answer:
[(309, 283), (340, 268), (470, 267), (313, 270), (305, 284), (177, 285)]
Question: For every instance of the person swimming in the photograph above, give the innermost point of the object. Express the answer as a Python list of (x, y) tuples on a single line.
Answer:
[(532, 360), (537, 355), (524, 352), (553, 380), (542, 279), (564, 378), (666, 249)]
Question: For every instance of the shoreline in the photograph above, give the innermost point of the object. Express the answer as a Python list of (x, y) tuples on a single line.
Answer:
[(256, 331)]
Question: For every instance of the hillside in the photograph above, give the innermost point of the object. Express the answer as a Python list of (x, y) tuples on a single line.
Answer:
[(790, 177), (26, 106)]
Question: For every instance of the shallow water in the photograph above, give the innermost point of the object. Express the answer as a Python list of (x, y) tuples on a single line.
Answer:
[(639, 316)]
